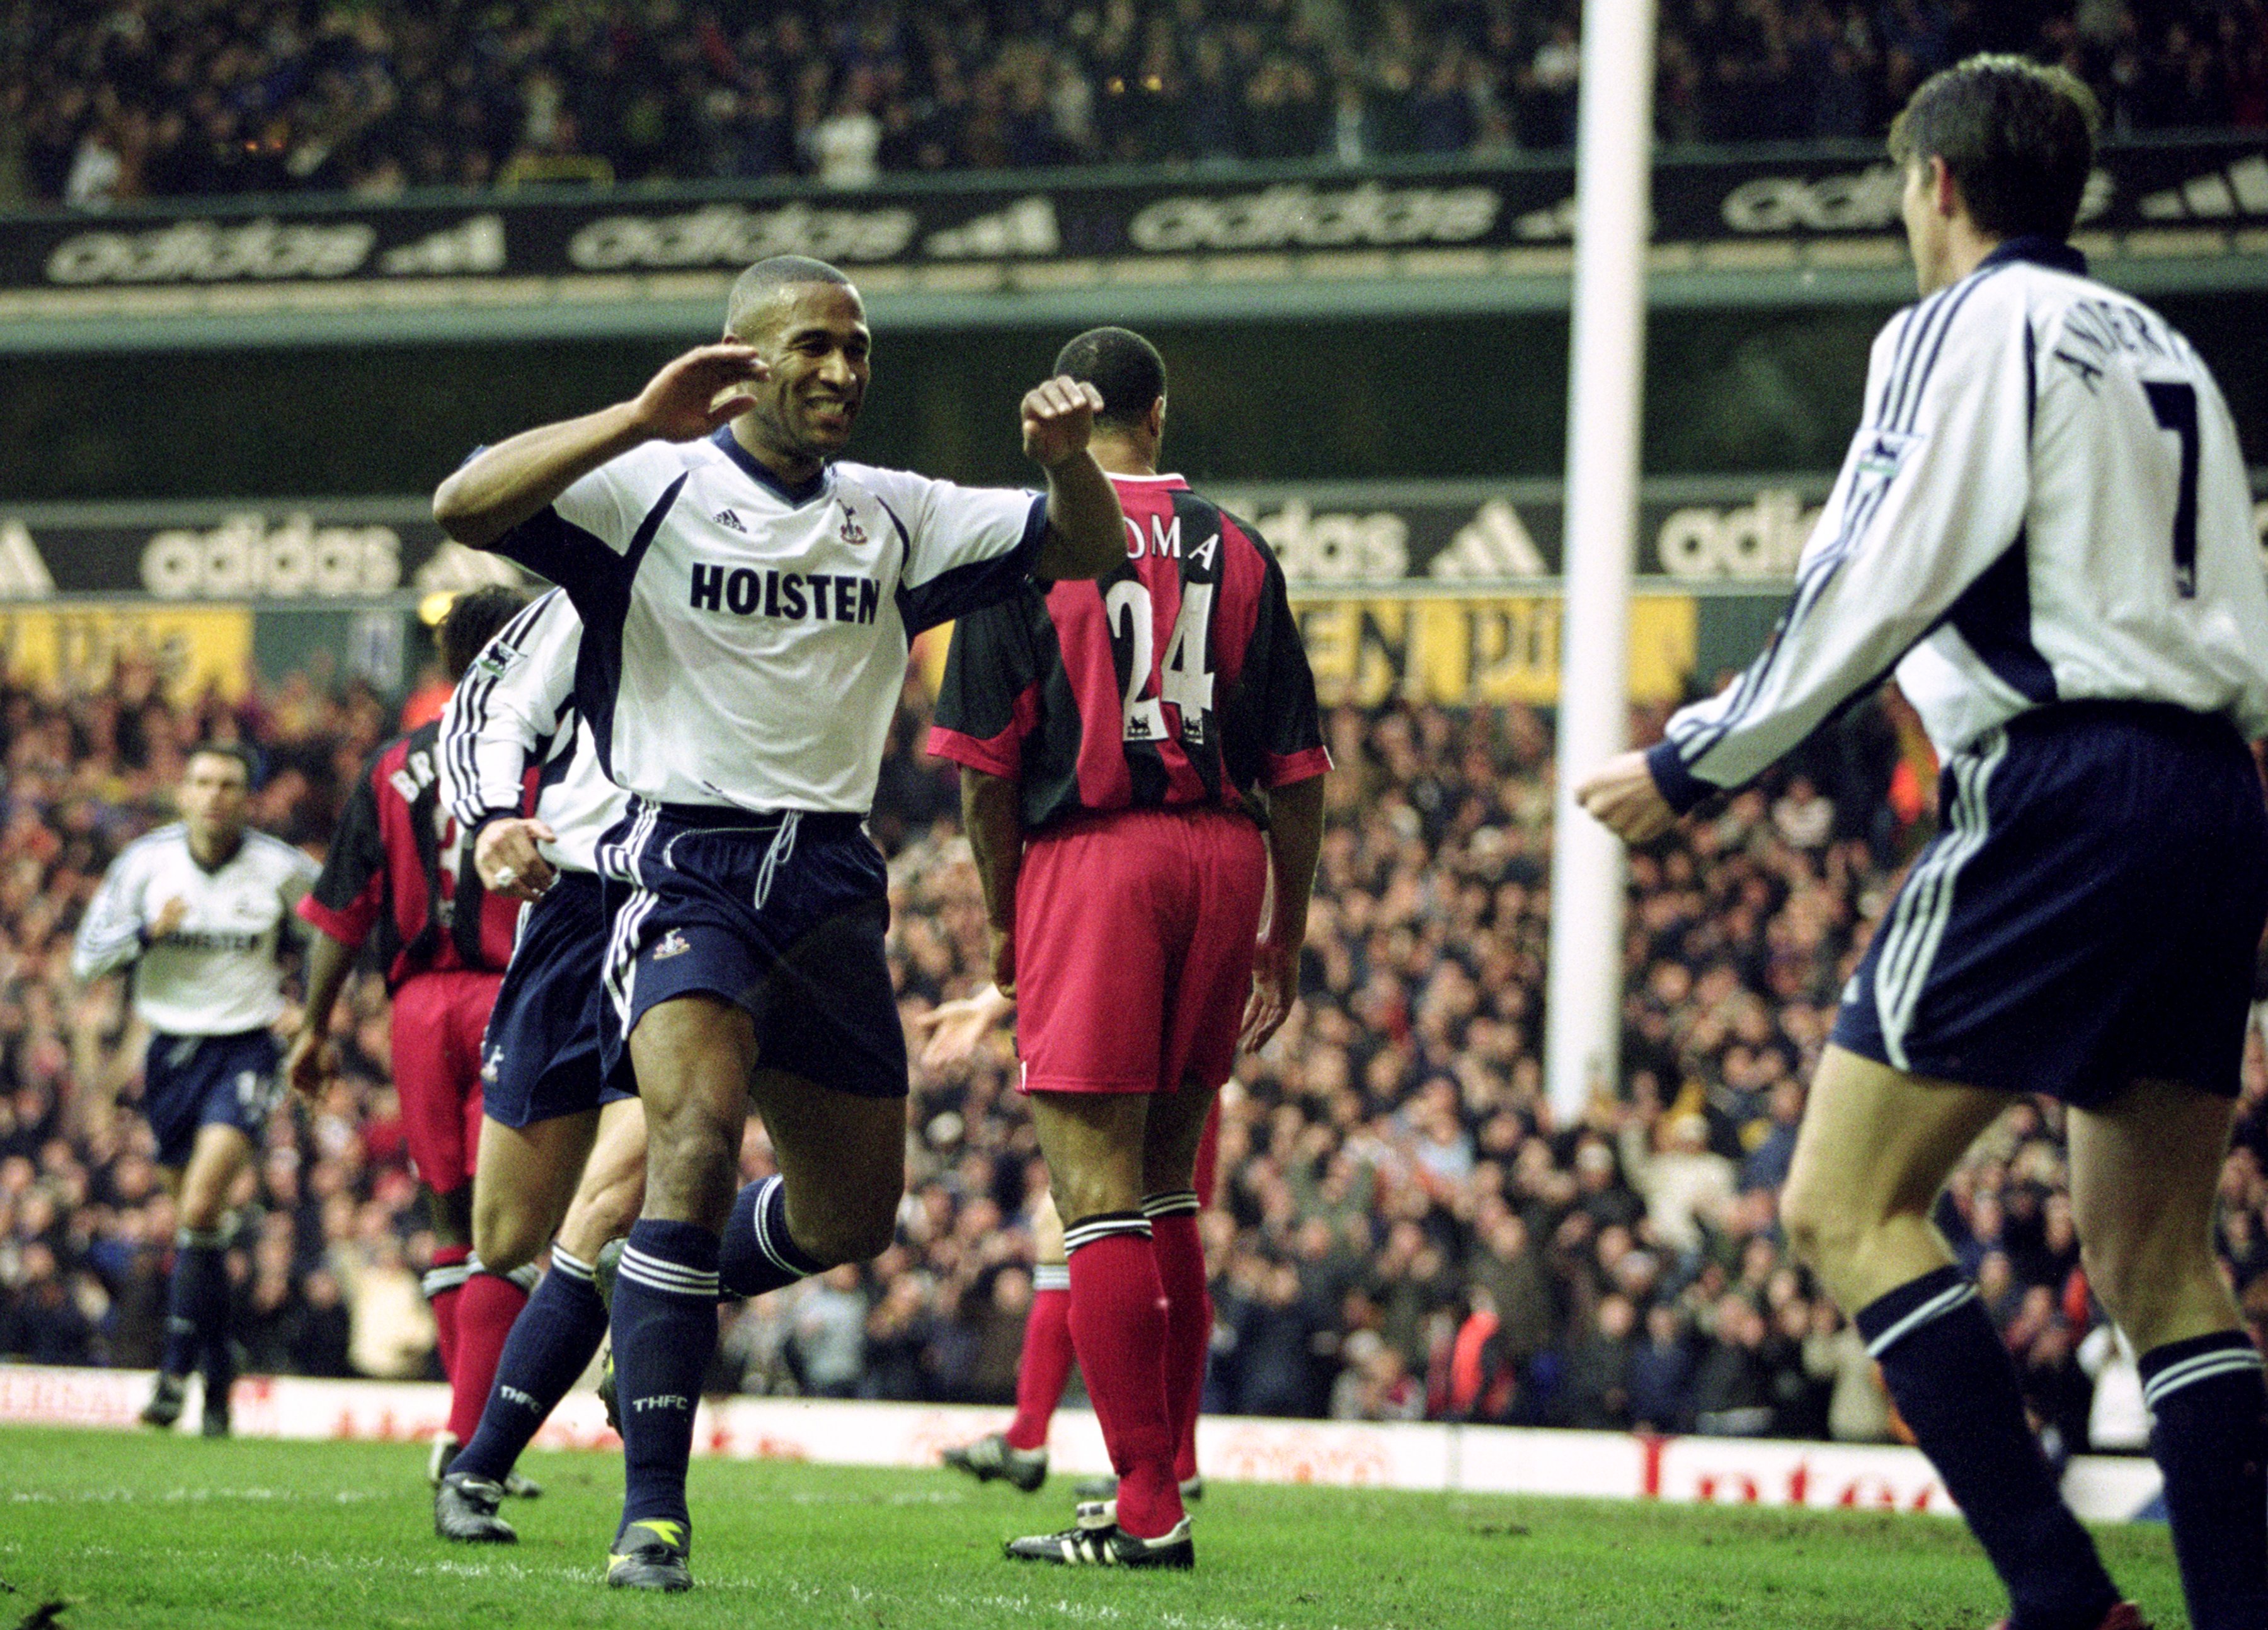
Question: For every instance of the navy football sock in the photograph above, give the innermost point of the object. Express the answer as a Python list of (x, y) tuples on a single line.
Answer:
[(2211, 1440), (758, 1253), (665, 1324), (551, 1344), (1956, 1388), (196, 1299)]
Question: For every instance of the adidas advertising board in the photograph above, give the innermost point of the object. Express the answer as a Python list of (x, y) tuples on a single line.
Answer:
[(1711, 534), (1829, 205)]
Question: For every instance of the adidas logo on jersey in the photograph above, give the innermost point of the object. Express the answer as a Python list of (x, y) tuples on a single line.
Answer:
[(670, 944), (729, 521)]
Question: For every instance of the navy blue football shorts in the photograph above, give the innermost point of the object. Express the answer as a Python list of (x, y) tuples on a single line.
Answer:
[(781, 913), (2087, 916), (541, 1058), (189, 1082)]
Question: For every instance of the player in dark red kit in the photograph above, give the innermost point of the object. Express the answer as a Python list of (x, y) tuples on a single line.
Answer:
[(1141, 760), (399, 864)]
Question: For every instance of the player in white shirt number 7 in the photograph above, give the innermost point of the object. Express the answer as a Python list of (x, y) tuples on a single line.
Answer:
[(2044, 524)]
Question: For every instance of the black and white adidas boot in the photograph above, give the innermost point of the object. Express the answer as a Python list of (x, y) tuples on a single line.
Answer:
[(605, 1266), (993, 1456), (608, 1397), (465, 1510), (437, 1459), (1095, 1540), (165, 1406)]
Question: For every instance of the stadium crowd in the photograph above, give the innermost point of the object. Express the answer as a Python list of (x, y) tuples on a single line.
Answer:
[(1403, 1231), (173, 98)]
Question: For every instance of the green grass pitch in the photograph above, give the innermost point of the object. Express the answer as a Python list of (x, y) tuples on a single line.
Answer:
[(174, 1532)]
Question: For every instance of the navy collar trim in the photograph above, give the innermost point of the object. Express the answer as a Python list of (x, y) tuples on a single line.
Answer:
[(2040, 250), (764, 475)]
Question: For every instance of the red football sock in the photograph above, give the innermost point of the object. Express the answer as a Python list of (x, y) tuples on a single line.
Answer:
[(1045, 1366), (1188, 1327), (444, 1282), (485, 1311), (1118, 1328)]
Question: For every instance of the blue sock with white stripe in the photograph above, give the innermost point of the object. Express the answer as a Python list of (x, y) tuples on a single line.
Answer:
[(2209, 1435), (758, 1253), (552, 1342), (1956, 1388), (196, 1299), (664, 1325)]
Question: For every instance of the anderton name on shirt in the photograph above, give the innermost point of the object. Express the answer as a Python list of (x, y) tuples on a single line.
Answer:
[(793, 596)]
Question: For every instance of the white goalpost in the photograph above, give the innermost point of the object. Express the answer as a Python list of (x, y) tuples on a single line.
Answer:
[(1607, 359)]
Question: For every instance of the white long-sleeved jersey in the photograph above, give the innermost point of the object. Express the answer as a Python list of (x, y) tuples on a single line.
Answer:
[(516, 706), (217, 973), (2046, 502)]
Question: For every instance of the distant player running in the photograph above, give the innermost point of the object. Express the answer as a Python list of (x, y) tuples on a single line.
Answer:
[(196, 910), (398, 865), (1142, 762), (747, 606), (2044, 526)]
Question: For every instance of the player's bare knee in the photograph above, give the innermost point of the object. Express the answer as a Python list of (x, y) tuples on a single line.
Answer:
[(692, 1161), (2138, 1290), (858, 1236), (587, 1230), (506, 1238), (603, 1215), (1823, 1232), (203, 1207), (1083, 1193)]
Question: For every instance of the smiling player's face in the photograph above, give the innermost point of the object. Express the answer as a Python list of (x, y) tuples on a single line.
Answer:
[(815, 339)]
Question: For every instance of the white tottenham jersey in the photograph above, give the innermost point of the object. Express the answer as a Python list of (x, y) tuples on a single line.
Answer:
[(744, 645), (218, 974), (2046, 502), (515, 707)]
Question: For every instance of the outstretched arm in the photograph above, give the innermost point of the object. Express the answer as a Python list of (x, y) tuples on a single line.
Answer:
[(514, 479), (1086, 527)]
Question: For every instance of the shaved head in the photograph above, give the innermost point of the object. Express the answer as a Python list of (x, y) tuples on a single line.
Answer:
[(755, 290)]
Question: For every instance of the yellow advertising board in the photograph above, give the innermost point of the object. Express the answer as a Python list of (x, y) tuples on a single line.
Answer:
[(78, 646), (1453, 648), (1479, 649)]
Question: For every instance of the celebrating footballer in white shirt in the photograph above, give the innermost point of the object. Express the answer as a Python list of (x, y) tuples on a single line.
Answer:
[(747, 606)]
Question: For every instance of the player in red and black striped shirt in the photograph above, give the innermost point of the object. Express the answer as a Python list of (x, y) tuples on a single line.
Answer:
[(398, 866), (1141, 760)]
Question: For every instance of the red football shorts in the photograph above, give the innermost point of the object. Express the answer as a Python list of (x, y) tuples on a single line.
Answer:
[(1134, 942), (439, 1019)]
